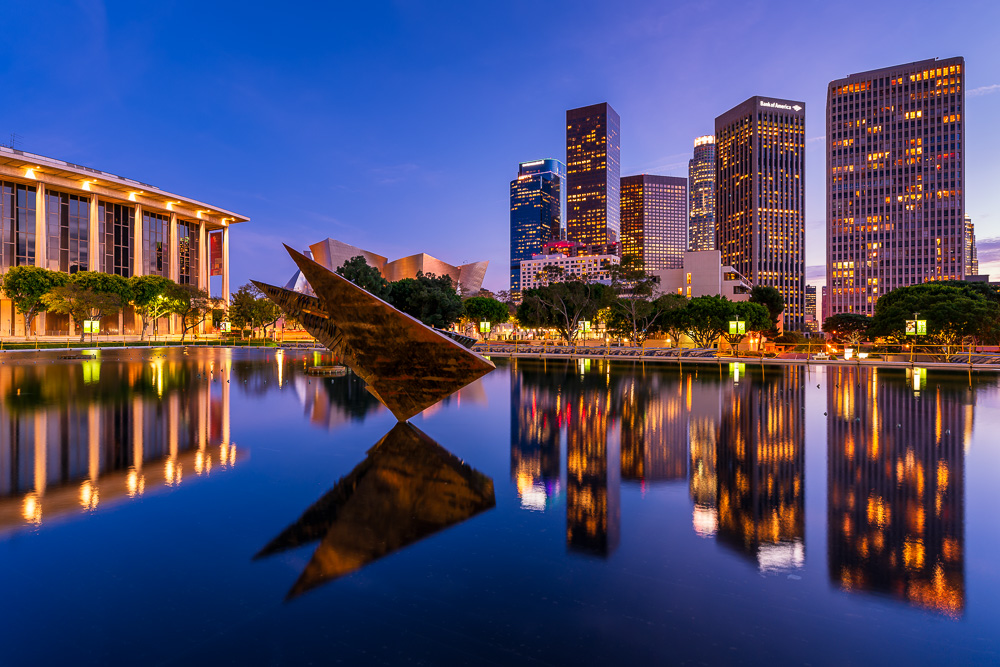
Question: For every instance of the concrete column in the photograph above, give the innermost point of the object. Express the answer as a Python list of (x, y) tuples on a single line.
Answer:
[(94, 259), (137, 243), (225, 264), (203, 265), (173, 265), (41, 245)]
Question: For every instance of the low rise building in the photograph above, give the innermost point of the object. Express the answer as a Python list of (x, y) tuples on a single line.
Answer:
[(703, 274), (567, 260)]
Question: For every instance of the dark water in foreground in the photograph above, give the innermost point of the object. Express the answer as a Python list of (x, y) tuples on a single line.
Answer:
[(162, 508)]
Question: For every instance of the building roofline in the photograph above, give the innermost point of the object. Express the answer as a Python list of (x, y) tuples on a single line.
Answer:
[(916, 64), (71, 171)]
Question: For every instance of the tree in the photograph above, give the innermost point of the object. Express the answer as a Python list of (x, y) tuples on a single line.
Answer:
[(249, 307), (191, 303), (952, 313), (633, 314), (848, 328), (706, 318), (770, 298), (486, 309), (431, 299), (368, 278), (563, 305), (81, 303), (754, 316), (26, 286), (673, 320), (148, 297)]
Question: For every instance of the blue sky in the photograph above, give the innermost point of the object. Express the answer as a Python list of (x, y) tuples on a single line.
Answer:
[(397, 126)]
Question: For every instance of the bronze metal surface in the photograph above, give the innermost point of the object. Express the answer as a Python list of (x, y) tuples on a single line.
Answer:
[(407, 488), (407, 365)]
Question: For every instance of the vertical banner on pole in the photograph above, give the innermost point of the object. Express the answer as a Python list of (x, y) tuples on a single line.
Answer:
[(215, 253)]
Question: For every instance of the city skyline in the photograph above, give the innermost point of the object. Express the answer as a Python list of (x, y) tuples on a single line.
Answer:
[(264, 117)]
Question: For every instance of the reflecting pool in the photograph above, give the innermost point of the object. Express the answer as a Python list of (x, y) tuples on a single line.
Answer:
[(229, 507)]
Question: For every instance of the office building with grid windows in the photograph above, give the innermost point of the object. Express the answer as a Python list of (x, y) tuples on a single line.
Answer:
[(593, 174), (654, 220), (895, 184), (760, 197), (66, 217)]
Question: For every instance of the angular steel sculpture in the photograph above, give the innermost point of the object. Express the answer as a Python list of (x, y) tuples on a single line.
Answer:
[(407, 488), (408, 366)]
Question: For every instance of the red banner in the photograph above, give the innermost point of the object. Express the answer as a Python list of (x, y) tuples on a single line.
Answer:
[(215, 253)]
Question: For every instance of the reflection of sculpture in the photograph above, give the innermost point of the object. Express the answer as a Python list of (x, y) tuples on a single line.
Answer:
[(407, 365), (407, 488), (895, 500)]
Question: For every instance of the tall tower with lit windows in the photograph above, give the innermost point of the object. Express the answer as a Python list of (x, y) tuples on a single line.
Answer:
[(760, 199), (535, 212), (593, 172), (701, 186), (895, 181)]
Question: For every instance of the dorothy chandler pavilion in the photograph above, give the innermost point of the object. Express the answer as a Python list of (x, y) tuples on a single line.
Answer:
[(70, 218)]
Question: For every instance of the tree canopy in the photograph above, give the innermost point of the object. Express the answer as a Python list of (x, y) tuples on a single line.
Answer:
[(770, 298), (849, 328), (486, 309), (431, 299), (26, 286), (148, 297), (249, 307), (368, 278), (952, 311), (563, 305), (193, 305), (756, 318)]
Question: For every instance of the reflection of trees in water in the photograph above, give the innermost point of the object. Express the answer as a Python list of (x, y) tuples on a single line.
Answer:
[(350, 394), (896, 485)]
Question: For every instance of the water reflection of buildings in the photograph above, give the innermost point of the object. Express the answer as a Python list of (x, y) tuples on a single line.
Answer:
[(78, 434), (895, 497), (760, 468)]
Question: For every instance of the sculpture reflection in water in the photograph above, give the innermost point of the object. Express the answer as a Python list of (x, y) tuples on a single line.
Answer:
[(407, 488), (896, 498), (739, 444), (79, 435)]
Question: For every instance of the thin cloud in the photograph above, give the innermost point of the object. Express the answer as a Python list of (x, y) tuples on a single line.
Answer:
[(816, 272), (988, 250), (821, 137), (984, 90)]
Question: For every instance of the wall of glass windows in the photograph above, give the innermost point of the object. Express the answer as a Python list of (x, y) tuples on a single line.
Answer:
[(115, 229), (155, 241), (17, 224), (189, 251), (67, 231)]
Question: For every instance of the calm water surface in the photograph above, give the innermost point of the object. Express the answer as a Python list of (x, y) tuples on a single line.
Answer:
[(225, 507)]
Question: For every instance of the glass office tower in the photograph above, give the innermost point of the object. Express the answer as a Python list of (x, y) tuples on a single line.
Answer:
[(535, 212), (701, 185), (593, 173)]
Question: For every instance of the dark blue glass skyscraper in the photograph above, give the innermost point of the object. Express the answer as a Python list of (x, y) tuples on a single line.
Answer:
[(535, 212)]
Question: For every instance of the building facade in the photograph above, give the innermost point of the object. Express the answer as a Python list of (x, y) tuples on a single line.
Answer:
[(593, 173), (812, 325), (65, 217), (332, 254), (971, 256), (760, 197), (701, 186), (535, 211), (564, 260), (703, 274), (654, 220), (895, 190)]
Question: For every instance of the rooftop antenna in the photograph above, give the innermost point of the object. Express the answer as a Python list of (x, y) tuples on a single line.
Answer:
[(15, 139)]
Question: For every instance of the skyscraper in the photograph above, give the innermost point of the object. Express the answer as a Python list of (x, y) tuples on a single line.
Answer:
[(810, 318), (535, 211), (654, 220), (895, 185), (760, 197), (971, 256), (701, 184), (593, 172)]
